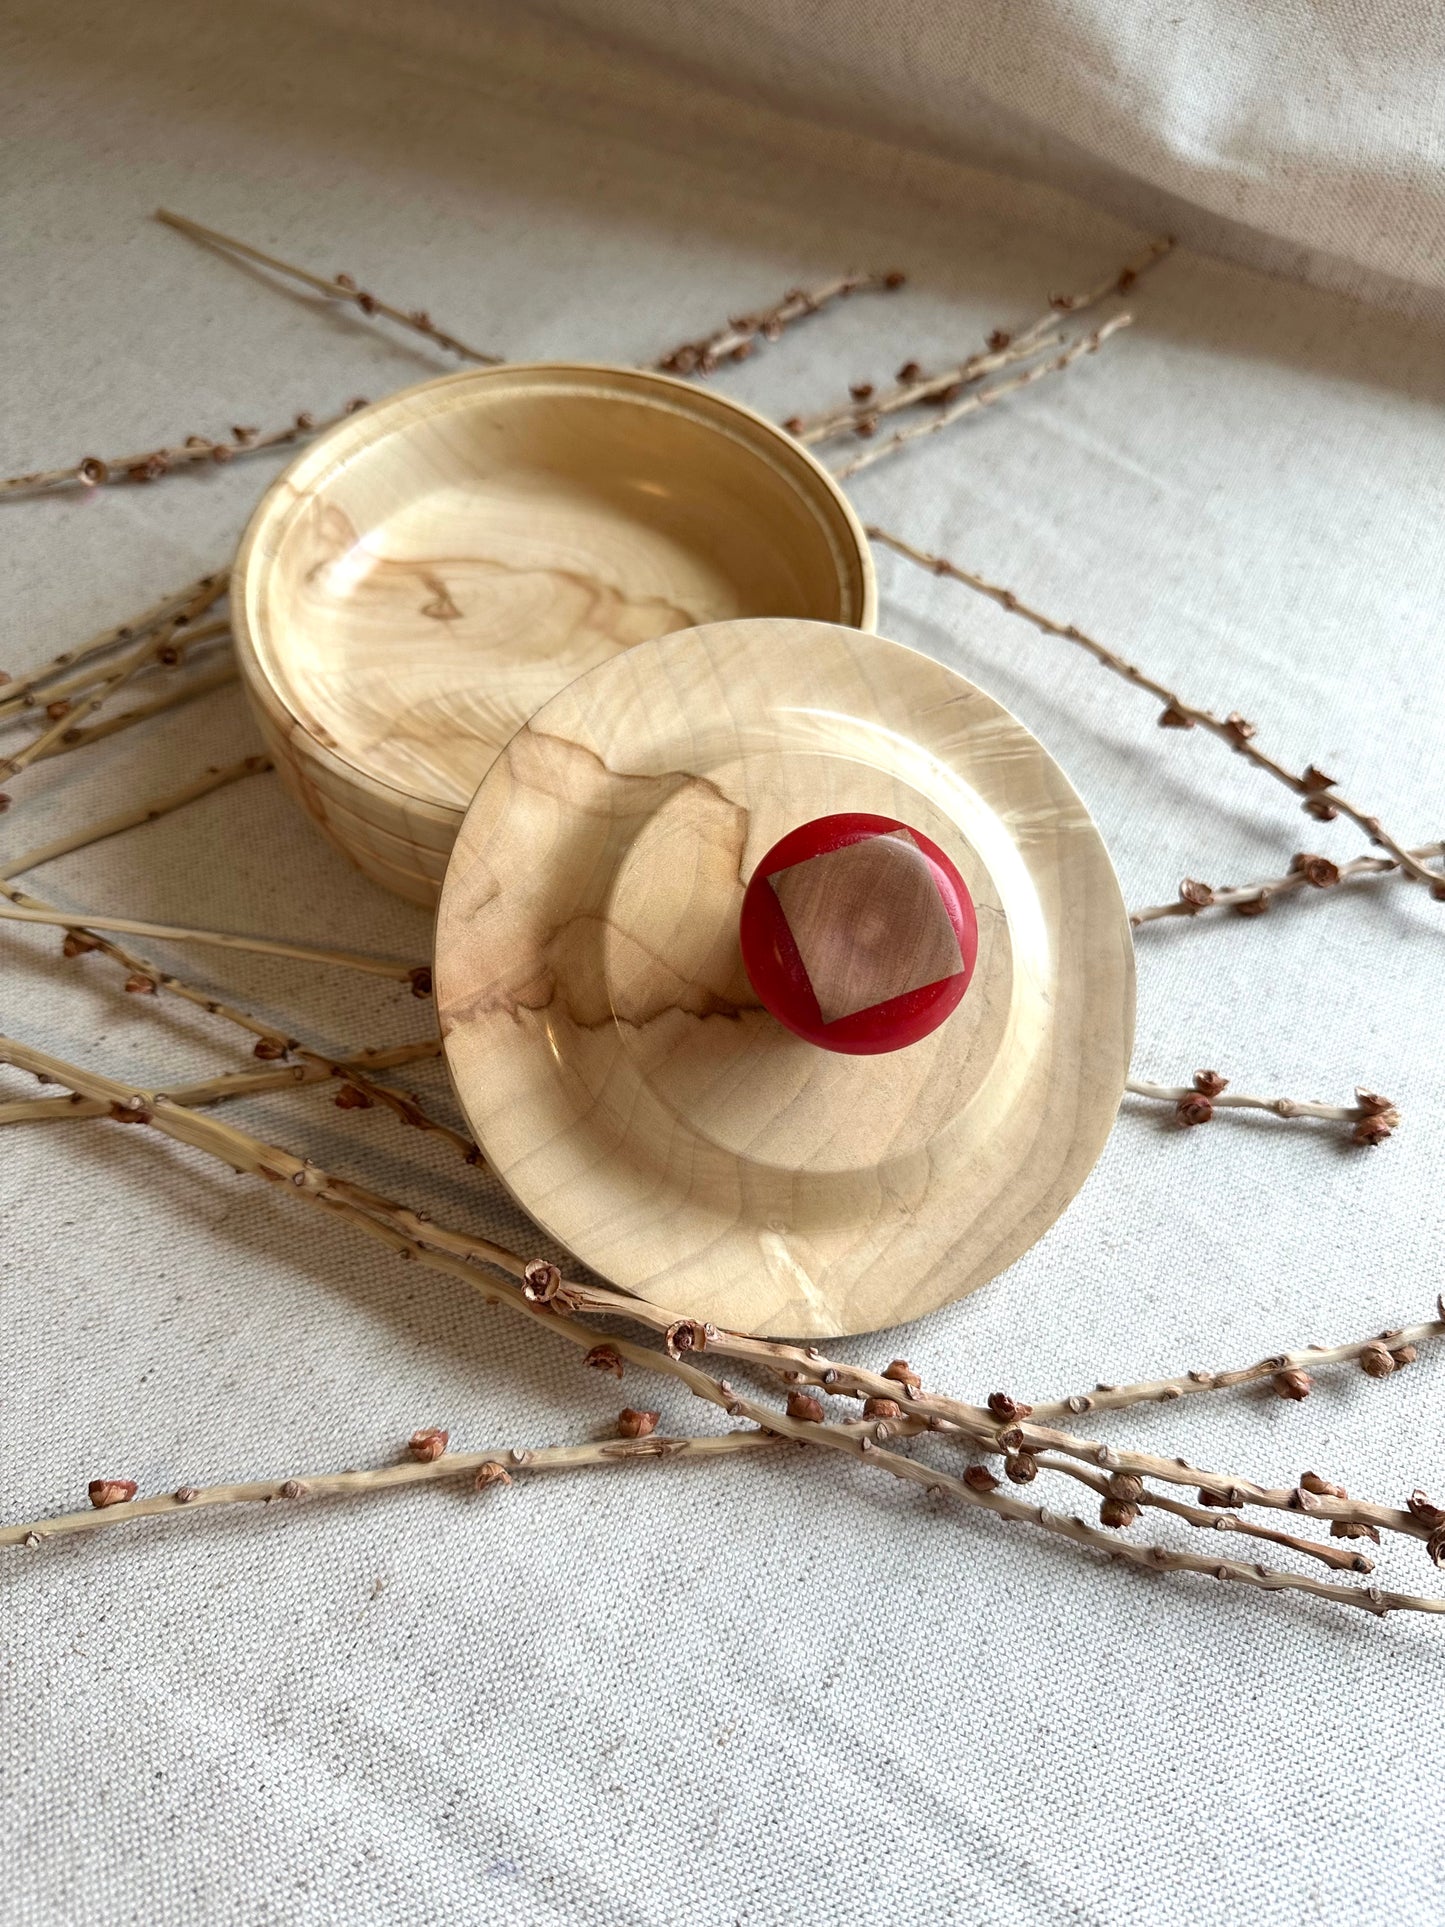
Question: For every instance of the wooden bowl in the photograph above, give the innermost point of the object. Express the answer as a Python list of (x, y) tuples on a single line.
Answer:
[(435, 568), (620, 1072)]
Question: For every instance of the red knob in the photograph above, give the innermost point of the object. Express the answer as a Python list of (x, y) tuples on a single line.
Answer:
[(858, 933)]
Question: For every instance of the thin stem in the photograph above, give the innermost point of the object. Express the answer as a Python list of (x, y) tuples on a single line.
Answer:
[(185, 690), (1287, 1107), (1307, 871), (21, 693), (339, 287), (151, 812), (223, 1089), (94, 471), (1158, 1391), (1002, 351), (383, 1222), (986, 397), (737, 340), (385, 1478), (394, 971), (1321, 797), (1213, 1521)]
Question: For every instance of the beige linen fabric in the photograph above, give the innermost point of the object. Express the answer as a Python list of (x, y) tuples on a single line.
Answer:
[(774, 1692)]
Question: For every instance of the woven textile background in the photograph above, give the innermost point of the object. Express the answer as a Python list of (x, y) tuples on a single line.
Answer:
[(773, 1691)]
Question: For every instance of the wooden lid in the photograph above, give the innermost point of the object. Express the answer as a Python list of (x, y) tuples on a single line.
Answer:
[(620, 1072)]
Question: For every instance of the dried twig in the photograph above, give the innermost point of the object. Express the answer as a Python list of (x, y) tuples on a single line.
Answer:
[(863, 413), (214, 779), (737, 340), (147, 651), (1306, 871), (1210, 1520), (23, 692), (224, 1089), (1322, 799), (1374, 1117), (390, 968), (1287, 1373), (543, 1302), (338, 287), (94, 471), (982, 398), (509, 1462), (184, 689)]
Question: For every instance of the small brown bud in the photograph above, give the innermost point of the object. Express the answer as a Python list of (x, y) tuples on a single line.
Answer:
[(420, 980), (1254, 906), (1321, 1488), (1238, 728), (1007, 1409), (489, 1475), (295, 1489), (350, 1098), (794, 424), (56, 710), (860, 390), (1317, 871), (1353, 1529), (1404, 1355), (1116, 1514), (632, 1424), (803, 1405), (345, 281), (1420, 1507), (1021, 1467), (104, 1492), (687, 1335), (4, 802), (427, 1445), (1371, 1130), (245, 436), (357, 402), (1376, 1362), (92, 472), (999, 340), (1208, 1496), (305, 420), (894, 278), (1195, 1109), (1127, 1486), (910, 371), (221, 454), (184, 1494), (541, 1281), (902, 1373), (866, 427), (1292, 1383), (881, 1408), (77, 944), (268, 1049), (1315, 779), (1210, 1083), (140, 986), (1197, 895), (605, 1358), (1174, 718), (978, 1478)]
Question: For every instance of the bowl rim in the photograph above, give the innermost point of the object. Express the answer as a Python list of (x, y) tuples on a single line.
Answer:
[(256, 554)]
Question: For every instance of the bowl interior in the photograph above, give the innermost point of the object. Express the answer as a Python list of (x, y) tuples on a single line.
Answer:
[(461, 553)]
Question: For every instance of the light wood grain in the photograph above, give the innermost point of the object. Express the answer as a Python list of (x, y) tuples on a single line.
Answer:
[(610, 1054), (435, 568)]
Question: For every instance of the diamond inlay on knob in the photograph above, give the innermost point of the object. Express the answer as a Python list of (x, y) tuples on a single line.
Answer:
[(858, 933)]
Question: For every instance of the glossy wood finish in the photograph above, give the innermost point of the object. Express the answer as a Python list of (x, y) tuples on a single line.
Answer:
[(438, 566), (615, 1064)]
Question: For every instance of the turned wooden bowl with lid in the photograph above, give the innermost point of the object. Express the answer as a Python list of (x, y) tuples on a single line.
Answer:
[(430, 572)]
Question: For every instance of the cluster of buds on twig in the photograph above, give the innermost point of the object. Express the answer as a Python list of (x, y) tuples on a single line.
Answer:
[(1198, 1107)]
